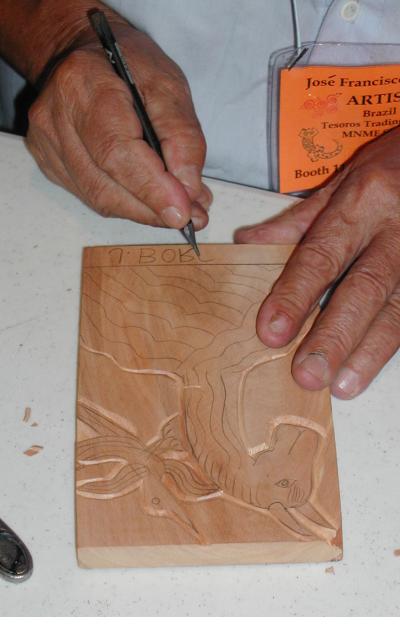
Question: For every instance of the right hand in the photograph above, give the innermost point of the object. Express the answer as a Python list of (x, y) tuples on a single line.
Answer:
[(85, 135)]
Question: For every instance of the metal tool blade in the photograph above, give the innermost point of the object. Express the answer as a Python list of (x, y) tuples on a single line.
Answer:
[(189, 234)]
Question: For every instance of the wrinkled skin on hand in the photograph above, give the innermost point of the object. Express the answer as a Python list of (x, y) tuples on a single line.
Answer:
[(351, 225), (85, 135)]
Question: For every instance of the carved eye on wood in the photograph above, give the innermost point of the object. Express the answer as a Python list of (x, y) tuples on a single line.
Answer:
[(283, 483)]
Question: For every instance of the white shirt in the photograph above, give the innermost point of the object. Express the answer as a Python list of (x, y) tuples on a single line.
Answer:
[(223, 47)]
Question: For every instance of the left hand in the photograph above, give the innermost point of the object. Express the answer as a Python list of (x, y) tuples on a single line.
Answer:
[(352, 224)]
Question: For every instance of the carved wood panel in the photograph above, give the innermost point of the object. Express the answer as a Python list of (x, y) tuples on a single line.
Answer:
[(194, 443)]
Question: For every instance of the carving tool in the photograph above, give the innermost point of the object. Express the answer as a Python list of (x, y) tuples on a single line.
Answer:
[(103, 30), (15, 559)]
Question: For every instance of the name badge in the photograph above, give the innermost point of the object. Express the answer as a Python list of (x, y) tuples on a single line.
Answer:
[(326, 113)]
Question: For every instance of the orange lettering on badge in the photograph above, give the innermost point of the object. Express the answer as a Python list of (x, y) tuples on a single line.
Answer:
[(326, 113)]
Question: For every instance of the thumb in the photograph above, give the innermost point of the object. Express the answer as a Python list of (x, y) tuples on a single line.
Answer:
[(289, 226)]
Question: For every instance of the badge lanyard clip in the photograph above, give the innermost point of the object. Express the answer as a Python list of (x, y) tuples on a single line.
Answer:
[(300, 51)]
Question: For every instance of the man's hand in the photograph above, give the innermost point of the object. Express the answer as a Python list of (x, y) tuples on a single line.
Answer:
[(350, 226), (85, 135)]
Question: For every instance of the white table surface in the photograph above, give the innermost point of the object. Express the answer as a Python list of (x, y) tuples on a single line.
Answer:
[(42, 232)]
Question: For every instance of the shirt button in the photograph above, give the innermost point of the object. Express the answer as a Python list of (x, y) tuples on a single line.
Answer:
[(350, 10)]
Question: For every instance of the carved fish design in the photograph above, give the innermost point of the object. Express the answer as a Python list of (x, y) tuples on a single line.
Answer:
[(208, 351), (137, 466), (278, 478)]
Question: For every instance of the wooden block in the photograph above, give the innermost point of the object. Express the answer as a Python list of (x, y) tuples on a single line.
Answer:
[(194, 443)]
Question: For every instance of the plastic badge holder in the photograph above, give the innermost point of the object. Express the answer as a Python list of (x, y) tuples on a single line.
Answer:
[(335, 98)]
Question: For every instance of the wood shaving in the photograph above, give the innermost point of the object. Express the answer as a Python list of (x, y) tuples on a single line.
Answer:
[(33, 450), (34, 424), (330, 570), (396, 552), (27, 414)]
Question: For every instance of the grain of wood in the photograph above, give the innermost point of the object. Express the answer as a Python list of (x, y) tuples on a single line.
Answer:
[(194, 443)]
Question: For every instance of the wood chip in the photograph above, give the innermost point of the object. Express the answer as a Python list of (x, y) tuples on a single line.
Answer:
[(330, 570), (396, 552), (27, 414), (33, 450), (34, 424)]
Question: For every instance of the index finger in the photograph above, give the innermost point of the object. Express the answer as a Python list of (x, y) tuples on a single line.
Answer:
[(112, 135), (333, 242)]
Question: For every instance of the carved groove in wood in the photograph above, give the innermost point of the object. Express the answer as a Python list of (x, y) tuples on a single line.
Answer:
[(176, 336)]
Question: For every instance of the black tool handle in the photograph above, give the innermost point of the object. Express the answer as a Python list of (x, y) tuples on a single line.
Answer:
[(106, 36)]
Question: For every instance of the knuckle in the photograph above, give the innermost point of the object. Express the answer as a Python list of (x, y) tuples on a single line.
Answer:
[(370, 353), (319, 260), (371, 285), (38, 114), (374, 185), (376, 178), (146, 188), (175, 78), (112, 151), (152, 90), (172, 85), (97, 196), (202, 142), (392, 314), (169, 96), (189, 137), (334, 339), (195, 138)]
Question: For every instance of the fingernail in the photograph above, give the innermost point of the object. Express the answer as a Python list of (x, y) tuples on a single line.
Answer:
[(172, 217), (278, 324), (316, 369), (199, 222), (348, 381)]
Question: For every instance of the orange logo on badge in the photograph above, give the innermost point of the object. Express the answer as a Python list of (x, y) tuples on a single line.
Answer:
[(319, 106)]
